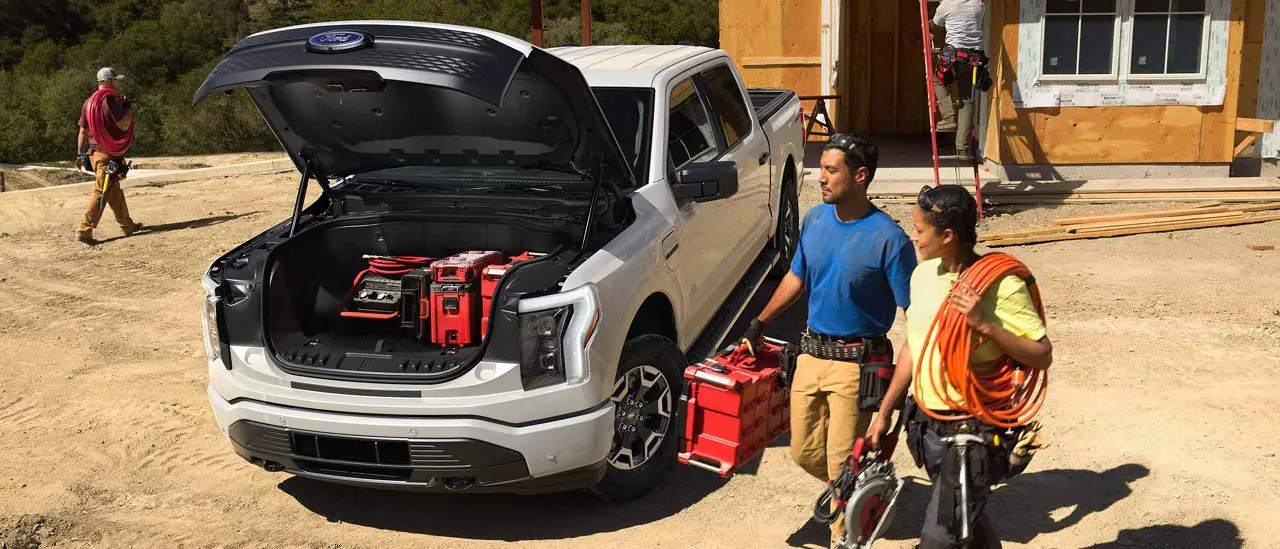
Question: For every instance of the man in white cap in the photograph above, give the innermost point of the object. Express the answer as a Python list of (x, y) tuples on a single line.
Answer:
[(120, 114)]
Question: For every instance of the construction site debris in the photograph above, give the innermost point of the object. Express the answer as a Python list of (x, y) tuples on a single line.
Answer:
[(1261, 247)]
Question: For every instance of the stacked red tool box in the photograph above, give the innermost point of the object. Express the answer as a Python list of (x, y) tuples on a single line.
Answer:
[(489, 279), (735, 405), (455, 297)]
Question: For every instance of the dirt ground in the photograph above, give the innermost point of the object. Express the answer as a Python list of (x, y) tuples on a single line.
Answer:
[(61, 172), (1160, 408)]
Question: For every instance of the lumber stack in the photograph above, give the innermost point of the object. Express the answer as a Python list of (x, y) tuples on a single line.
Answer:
[(1243, 189), (1121, 224)]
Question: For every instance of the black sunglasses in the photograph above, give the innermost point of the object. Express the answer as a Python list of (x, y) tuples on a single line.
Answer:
[(842, 140), (923, 200)]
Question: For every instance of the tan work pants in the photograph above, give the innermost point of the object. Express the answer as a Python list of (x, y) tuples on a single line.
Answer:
[(115, 198), (957, 111), (825, 420)]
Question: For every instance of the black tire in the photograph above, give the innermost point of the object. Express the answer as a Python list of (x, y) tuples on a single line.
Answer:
[(787, 235), (627, 475)]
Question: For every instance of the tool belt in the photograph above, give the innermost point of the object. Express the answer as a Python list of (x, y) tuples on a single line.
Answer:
[(874, 356), (953, 63), (1001, 442)]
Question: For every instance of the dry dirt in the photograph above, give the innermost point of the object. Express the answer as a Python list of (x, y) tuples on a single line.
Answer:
[(1161, 408)]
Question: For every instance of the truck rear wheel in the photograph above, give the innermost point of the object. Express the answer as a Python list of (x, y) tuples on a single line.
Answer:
[(646, 428)]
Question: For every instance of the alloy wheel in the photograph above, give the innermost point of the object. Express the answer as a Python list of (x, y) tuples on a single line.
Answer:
[(642, 416)]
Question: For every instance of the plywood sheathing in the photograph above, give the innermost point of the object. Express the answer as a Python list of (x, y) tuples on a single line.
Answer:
[(775, 43)]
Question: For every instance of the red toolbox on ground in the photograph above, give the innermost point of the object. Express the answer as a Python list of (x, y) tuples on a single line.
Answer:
[(455, 297), (735, 405), (489, 279)]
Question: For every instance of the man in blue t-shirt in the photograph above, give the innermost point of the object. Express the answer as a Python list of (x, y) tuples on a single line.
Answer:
[(856, 262)]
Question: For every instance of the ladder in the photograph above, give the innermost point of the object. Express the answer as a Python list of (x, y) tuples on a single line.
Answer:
[(933, 108)]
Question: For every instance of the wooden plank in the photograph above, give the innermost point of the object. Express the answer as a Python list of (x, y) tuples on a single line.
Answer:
[(1083, 219), (881, 64), (1244, 144), (782, 62), (1255, 125), (1110, 226), (1138, 230), (1135, 185), (1103, 225)]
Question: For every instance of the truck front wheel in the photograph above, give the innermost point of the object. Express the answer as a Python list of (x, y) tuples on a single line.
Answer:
[(646, 427)]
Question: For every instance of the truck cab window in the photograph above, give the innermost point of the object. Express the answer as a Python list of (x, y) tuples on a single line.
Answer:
[(628, 111), (726, 98), (690, 136)]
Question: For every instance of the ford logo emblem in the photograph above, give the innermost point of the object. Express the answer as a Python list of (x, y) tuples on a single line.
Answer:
[(338, 41)]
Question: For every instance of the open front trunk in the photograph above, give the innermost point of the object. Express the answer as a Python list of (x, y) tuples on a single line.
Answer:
[(310, 283)]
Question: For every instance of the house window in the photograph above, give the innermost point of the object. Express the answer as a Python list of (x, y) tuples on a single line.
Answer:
[(1080, 37), (1168, 37)]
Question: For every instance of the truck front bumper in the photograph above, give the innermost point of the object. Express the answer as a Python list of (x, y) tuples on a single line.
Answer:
[(420, 453)]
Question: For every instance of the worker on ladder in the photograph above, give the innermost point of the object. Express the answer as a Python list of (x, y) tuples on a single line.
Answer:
[(959, 62), (964, 454)]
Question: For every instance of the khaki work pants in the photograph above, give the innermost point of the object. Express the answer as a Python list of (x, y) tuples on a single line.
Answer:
[(115, 198), (957, 111), (825, 420)]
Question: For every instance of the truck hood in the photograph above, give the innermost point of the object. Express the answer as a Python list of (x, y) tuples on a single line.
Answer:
[(358, 96)]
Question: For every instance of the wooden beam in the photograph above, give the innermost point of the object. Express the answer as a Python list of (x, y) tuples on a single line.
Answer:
[(1255, 125), (1136, 230), (1113, 225), (1248, 140), (1102, 225), (784, 62)]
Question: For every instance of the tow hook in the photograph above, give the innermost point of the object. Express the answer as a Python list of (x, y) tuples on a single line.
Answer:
[(458, 484)]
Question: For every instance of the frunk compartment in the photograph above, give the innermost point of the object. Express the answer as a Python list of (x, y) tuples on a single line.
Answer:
[(391, 299)]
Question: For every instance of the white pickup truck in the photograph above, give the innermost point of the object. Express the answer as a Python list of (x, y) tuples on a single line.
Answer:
[(654, 190)]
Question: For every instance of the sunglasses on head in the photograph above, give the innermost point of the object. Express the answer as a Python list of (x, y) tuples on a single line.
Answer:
[(842, 140), (924, 202)]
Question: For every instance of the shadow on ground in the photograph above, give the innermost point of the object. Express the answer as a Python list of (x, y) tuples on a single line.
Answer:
[(1210, 534), (180, 225), (1024, 508), (500, 517)]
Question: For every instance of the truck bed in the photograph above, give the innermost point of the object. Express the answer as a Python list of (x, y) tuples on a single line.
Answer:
[(767, 102)]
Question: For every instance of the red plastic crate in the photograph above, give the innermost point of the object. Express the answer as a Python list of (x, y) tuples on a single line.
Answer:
[(489, 279), (735, 405), (455, 297)]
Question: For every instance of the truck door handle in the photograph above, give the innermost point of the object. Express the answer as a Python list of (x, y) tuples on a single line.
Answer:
[(764, 158)]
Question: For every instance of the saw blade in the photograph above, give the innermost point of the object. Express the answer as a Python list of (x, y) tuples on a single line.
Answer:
[(869, 505)]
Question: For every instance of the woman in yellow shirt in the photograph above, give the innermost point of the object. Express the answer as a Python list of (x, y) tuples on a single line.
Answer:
[(945, 234)]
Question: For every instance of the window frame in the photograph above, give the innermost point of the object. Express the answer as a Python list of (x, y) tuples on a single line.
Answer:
[(700, 78), (1170, 77), (717, 140), (1116, 31), (1122, 49)]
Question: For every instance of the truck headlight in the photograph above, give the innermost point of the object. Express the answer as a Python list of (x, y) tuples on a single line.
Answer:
[(541, 356), (213, 345)]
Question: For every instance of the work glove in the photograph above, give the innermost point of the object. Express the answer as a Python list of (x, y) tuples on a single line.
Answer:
[(1029, 441), (754, 334)]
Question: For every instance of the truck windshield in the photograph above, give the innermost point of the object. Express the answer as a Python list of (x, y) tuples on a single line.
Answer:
[(630, 115)]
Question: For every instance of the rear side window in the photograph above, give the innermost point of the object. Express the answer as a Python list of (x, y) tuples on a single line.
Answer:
[(726, 99), (690, 135)]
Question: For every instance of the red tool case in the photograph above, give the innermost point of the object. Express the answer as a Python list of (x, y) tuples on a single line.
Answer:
[(455, 297), (489, 279), (735, 405)]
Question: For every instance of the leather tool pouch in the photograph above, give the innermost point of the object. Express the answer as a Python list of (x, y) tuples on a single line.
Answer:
[(873, 384)]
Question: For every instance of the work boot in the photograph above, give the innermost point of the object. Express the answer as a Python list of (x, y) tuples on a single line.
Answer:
[(86, 238), (135, 228)]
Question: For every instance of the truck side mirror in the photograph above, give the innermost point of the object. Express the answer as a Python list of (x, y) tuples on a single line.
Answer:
[(706, 181)]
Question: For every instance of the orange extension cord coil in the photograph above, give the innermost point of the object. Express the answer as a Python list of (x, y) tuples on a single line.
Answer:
[(1003, 392)]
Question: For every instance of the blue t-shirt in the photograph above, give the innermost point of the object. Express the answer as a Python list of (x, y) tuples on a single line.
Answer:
[(855, 272)]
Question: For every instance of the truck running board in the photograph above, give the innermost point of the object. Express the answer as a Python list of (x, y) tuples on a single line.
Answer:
[(716, 330)]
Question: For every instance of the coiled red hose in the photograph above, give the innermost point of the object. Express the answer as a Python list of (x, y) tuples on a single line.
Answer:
[(1003, 392), (395, 264), (106, 134)]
